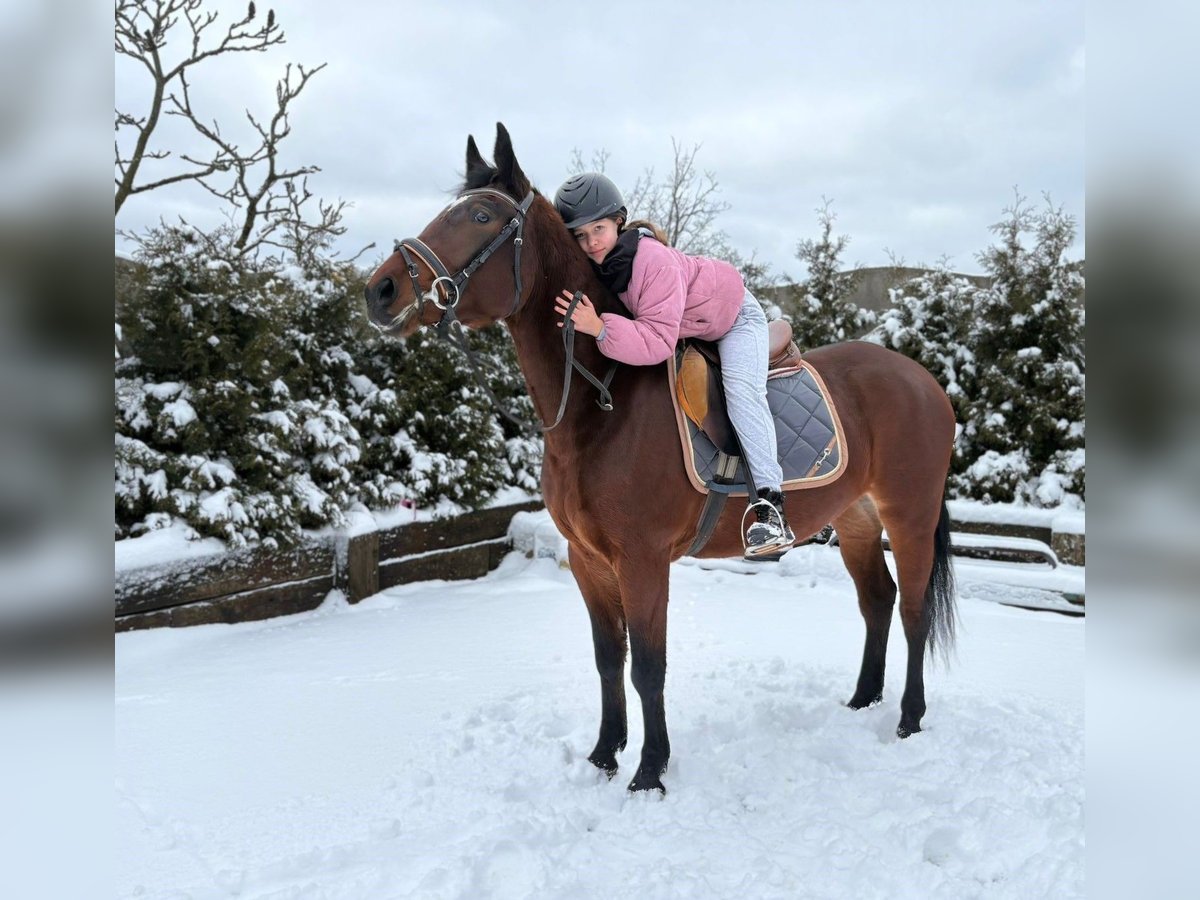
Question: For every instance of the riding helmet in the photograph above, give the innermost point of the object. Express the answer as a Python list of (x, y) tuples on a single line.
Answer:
[(587, 197)]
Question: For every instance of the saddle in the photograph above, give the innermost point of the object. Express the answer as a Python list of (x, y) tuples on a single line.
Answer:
[(810, 444), (698, 387)]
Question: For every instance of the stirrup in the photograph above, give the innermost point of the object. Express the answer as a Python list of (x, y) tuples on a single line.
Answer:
[(771, 550)]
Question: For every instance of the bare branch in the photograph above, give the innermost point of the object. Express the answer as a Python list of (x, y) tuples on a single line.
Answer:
[(238, 38), (142, 32), (599, 161), (684, 204), (267, 204)]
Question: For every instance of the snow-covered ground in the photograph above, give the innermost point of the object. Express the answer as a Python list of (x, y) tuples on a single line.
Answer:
[(431, 741)]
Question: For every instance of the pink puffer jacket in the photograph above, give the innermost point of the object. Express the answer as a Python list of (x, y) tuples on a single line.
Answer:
[(673, 296)]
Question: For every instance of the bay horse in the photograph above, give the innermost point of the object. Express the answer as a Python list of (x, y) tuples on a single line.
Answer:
[(615, 484)]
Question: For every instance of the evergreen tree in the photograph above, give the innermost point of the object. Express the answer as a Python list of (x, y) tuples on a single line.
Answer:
[(252, 401), (820, 309), (201, 375), (1010, 357), (930, 321), (1023, 435)]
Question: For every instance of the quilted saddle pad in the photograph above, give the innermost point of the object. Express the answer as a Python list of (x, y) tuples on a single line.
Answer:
[(809, 436)]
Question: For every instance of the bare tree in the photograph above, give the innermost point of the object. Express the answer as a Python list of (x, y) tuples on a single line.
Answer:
[(599, 161), (142, 33), (684, 204), (268, 196), (269, 203)]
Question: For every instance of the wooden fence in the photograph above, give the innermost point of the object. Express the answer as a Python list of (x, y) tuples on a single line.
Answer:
[(258, 584), (251, 584)]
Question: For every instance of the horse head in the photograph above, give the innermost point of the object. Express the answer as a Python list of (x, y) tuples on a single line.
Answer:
[(467, 262)]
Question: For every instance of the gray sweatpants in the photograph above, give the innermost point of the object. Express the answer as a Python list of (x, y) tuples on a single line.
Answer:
[(743, 352)]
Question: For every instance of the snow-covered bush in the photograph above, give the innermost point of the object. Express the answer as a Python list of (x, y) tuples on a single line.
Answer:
[(252, 400), (930, 321), (1011, 358)]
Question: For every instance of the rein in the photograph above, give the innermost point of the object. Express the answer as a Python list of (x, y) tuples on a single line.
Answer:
[(451, 330), (605, 401)]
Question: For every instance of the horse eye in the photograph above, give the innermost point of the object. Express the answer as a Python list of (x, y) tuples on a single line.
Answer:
[(482, 218)]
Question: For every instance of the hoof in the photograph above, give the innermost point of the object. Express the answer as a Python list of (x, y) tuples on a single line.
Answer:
[(856, 702), (606, 764), (904, 731), (647, 781)]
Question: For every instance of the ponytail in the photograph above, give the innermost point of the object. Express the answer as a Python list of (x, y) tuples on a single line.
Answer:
[(659, 234)]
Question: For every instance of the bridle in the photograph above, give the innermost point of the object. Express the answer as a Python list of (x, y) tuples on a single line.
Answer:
[(446, 291)]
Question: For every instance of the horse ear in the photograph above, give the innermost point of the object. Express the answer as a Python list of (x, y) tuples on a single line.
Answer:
[(479, 172), (506, 163)]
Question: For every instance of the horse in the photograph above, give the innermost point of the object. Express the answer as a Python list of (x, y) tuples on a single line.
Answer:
[(614, 482)]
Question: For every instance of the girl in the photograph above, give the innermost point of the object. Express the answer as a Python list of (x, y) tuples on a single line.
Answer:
[(672, 296)]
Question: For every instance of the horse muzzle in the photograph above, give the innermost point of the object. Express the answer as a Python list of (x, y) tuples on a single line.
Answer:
[(382, 298)]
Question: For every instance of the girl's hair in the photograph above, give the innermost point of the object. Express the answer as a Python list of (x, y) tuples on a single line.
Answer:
[(659, 234)]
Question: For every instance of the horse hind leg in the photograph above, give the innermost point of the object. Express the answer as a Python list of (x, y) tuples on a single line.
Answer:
[(859, 537), (601, 595), (921, 549)]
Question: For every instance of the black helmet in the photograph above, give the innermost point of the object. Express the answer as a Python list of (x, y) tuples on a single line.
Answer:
[(588, 197)]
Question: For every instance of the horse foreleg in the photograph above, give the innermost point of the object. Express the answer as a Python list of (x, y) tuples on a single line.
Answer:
[(859, 531), (644, 596), (602, 596)]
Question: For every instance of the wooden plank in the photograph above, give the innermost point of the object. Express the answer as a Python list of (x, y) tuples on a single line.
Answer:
[(177, 584), (362, 566), (454, 564), (1004, 529), (1069, 548), (481, 525), (499, 550), (246, 606), (1005, 554), (1023, 597), (999, 552), (1069, 613)]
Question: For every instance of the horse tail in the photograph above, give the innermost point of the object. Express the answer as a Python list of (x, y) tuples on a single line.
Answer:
[(939, 595)]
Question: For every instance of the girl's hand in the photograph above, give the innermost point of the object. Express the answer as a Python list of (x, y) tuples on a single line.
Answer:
[(584, 316)]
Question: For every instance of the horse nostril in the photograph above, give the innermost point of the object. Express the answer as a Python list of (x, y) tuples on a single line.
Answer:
[(381, 295), (387, 291)]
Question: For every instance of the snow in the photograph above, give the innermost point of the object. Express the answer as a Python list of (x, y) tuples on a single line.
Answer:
[(180, 412), (276, 418), (175, 543), (164, 391), (361, 383), (220, 506), (1013, 514), (431, 741)]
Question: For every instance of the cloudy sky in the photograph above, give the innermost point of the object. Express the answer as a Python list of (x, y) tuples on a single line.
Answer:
[(916, 119)]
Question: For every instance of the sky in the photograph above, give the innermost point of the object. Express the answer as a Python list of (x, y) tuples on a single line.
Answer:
[(917, 120)]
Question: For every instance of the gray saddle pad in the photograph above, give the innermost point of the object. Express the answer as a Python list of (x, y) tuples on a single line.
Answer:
[(806, 437)]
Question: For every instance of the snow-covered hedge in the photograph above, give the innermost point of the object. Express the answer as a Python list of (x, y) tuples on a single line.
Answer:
[(252, 400)]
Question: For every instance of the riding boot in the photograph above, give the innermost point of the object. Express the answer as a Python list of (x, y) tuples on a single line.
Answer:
[(769, 536)]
